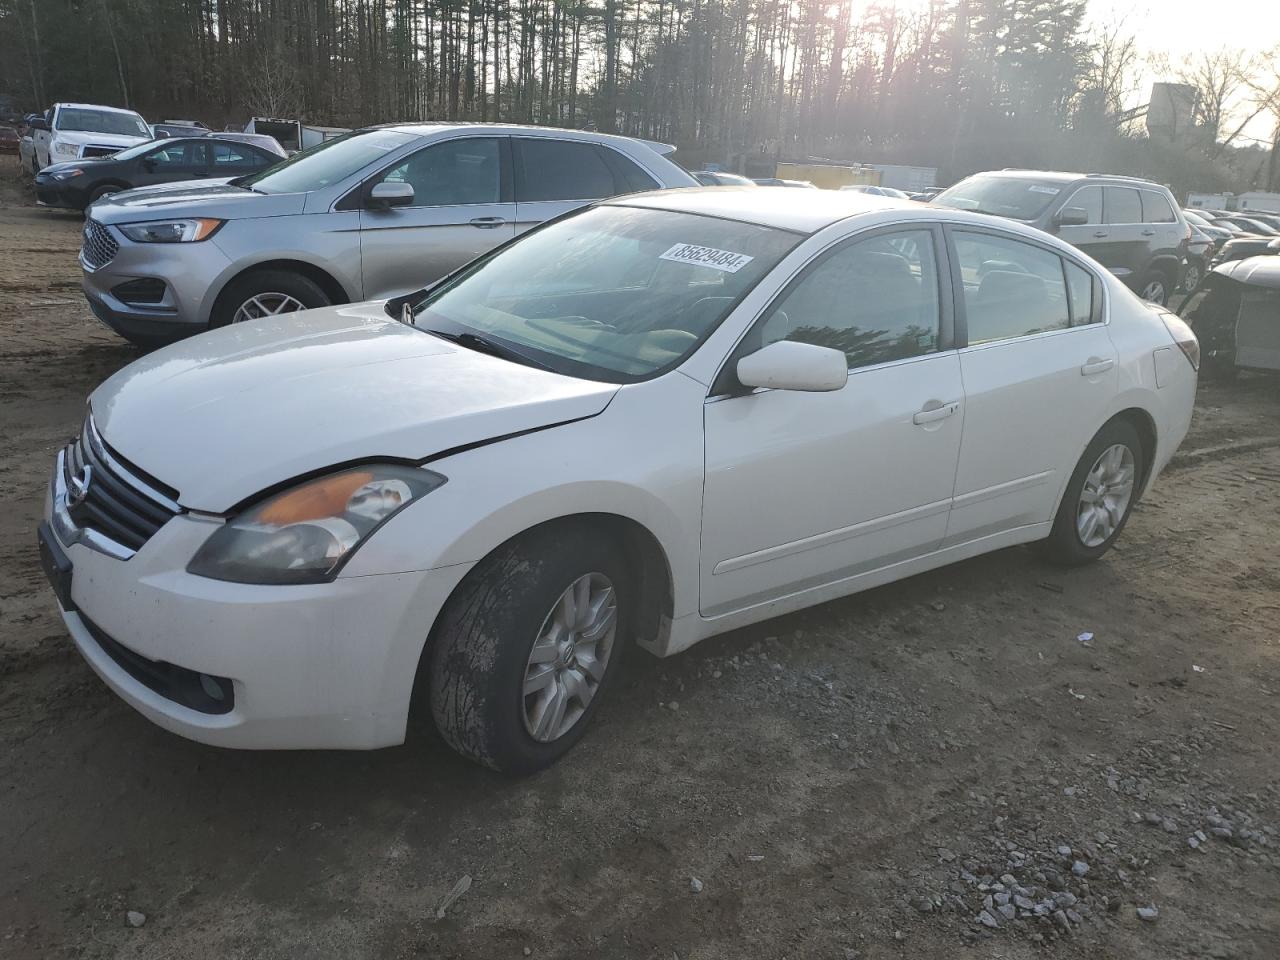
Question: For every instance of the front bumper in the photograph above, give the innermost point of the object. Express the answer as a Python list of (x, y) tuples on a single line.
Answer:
[(327, 665), (58, 193), (189, 272)]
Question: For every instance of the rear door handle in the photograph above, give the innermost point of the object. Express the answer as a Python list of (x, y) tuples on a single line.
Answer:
[(488, 223), (1148, 233), (1096, 365), (1099, 234), (935, 410)]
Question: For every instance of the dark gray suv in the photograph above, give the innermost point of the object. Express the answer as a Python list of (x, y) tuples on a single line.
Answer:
[(1132, 227)]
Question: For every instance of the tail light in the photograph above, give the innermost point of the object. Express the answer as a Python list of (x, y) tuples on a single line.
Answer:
[(1183, 337), (1186, 230)]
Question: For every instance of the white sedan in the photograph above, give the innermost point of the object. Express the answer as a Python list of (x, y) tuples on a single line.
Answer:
[(659, 419)]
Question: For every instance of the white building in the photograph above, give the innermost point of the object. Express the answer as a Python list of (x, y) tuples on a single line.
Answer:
[(1258, 200)]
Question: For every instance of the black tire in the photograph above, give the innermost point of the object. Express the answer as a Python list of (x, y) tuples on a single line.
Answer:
[(1150, 280), (1191, 279), (258, 282), (1064, 545), (100, 192), (479, 650)]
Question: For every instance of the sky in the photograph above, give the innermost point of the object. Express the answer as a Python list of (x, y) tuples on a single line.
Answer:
[(1182, 28)]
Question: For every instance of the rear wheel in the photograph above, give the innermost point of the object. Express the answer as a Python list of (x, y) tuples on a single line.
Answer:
[(1155, 288), (1099, 497), (525, 650), (265, 293)]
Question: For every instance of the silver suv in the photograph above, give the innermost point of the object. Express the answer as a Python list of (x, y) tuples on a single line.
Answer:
[(376, 213)]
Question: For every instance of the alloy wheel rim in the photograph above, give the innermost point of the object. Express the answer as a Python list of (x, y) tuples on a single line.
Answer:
[(1105, 496), (266, 305), (569, 658), (1192, 279), (1154, 291)]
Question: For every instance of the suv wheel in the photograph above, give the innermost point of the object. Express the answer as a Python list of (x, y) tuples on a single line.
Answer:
[(265, 293), (1191, 279), (1154, 287)]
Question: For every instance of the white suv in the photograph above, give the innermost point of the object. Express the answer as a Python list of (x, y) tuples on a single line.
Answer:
[(71, 131)]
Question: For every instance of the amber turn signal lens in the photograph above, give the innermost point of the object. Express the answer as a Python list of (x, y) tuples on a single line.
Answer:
[(315, 501)]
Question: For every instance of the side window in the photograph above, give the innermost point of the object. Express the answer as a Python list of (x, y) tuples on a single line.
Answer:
[(1011, 288), (560, 170), (226, 155), (182, 154), (627, 174), (1080, 290), (1088, 199), (454, 172), (1123, 205), (875, 299), (1155, 208)]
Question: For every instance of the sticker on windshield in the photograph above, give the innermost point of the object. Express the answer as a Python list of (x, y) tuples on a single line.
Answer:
[(1036, 188), (698, 256)]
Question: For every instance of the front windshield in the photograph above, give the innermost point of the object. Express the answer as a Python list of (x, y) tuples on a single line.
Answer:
[(103, 121), (614, 293), (136, 151), (1015, 197), (326, 163)]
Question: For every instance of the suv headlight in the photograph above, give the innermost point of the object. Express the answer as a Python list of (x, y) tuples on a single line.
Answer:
[(306, 533), (68, 149), (171, 231)]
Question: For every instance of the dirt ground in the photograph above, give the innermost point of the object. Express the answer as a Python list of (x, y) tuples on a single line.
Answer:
[(864, 779)]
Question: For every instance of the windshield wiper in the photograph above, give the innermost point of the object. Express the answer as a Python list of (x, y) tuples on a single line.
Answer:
[(482, 344)]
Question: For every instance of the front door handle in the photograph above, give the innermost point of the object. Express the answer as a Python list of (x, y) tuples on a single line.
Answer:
[(1148, 233), (935, 410), (1095, 365), (488, 223), (1099, 234)]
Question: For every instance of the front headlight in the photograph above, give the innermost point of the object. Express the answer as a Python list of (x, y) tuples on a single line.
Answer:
[(68, 149), (68, 174), (171, 231), (306, 533)]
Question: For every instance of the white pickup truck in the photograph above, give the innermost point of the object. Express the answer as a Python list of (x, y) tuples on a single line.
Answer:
[(70, 131)]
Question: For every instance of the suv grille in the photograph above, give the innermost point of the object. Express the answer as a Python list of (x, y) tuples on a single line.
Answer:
[(100, 246), (99, 151), (117, 505)]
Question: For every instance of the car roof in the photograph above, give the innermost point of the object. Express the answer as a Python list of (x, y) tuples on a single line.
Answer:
[(98, 106), (427, 127), (1065, 176), (1261, 271), (802, 211)]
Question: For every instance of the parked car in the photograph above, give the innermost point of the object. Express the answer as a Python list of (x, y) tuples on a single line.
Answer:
[(79, 183), (719, 178), (1200, 252), (1249, 225), (1218, 234), (1132, 227), (646, 422), (1242, 248), (1236, 315), (179, 128), (876, 190), (260, 140), (373, 213), (72, 131), (775, 182)]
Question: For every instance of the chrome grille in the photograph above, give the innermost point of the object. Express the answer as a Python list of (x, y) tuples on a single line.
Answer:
[(99, 247), (99, 151), (117, 504)]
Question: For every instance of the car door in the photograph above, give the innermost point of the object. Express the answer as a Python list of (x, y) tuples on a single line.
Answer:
[(1093, 237), (1039, 372), (174, 161), (1126, 242), (461, 208), (804, 489), (554, 176), (228, 159)]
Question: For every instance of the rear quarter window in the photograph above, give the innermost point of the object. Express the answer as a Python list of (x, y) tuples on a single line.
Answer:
[(1156, 208)]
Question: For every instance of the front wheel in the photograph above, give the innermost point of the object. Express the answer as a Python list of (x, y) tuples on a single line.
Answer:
[(265, 293), (525, 650), (1191, 279), (1098, 498)]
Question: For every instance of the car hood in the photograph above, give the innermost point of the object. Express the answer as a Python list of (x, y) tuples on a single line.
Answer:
[(82, 137), (195, 198), (224, 415), (85, 163)]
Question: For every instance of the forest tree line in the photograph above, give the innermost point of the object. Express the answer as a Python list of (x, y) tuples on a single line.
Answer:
[(957, 84)]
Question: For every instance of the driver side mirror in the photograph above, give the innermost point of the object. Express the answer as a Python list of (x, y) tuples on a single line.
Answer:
[(1071, 217), (38, 123), (788, 365), (390, 194)]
